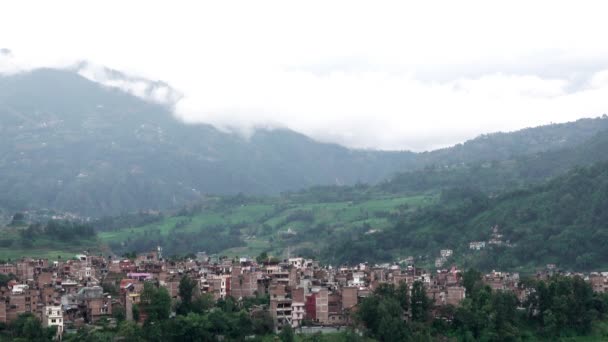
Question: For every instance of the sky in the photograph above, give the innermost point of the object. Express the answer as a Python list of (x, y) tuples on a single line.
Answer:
[(365, 74)]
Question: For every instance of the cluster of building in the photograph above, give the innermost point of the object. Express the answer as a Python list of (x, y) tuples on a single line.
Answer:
[(58, 293), (72, 293), (496, 239)]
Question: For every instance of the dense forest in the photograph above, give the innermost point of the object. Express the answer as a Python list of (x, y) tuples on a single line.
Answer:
[(562, 221)]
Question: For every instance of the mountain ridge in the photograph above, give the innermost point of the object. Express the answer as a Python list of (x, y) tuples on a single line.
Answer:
[(70, 144)]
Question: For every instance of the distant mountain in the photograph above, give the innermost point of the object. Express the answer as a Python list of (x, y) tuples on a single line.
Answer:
[(506, 146), (71, 144), (508, 171)]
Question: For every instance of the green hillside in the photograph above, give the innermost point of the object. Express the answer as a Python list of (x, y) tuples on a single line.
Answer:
[(495, 175), (563, 221), (53, 240), (251, 226)]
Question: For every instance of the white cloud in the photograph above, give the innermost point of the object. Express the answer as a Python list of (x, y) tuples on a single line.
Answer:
[(158, 92), (388, 75)]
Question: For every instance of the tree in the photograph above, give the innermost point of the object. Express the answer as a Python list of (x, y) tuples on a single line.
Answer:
[(156, 302), (186, 290), (203, 303), (18, 219), (383, 313), (263, 257), (287, 334), (119, 314), (262, 323), (4, 279), (130, 331), (470, 279), (504, 308), (391, 327), (420, 303), (29, 328), (402, 294)]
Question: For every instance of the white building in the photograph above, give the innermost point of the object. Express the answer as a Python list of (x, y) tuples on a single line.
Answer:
[(296, 262), (53, 317), (477, 245), (446, 253), (358, 279), (19, 289)]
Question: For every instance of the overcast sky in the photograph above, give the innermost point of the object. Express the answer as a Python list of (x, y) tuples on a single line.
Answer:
[(384, 75)]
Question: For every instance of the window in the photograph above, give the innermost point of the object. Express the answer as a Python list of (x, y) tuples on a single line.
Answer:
[(53, 320)]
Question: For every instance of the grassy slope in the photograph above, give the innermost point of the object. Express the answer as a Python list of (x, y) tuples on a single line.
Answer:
[(41, 247), (262, 226)]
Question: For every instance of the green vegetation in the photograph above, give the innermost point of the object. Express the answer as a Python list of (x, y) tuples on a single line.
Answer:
[(495, 175), (562, 222), (249, 226), (198, 319), (26, 327), (53, 240), (559, 308)]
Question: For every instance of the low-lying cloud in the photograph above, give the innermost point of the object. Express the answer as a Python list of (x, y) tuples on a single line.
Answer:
[(153, 91), (383, 76)]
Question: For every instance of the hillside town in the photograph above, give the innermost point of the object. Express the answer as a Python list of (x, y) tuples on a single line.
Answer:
[(301, 293)]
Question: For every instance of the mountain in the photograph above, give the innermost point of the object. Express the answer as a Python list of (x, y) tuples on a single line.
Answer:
[(495, 175), (71, 144), (506, 146), (562, 221)]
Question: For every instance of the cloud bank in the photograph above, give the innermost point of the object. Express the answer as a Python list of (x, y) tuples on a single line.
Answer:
[(384, 75)]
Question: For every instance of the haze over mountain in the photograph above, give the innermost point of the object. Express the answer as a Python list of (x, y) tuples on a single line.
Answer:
[(71, 144), (393, 75)]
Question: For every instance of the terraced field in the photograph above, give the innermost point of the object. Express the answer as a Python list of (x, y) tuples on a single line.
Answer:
[(12, 247), (273, 225)]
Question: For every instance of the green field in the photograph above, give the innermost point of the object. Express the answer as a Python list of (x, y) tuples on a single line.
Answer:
[(266, 226), (272, 224), (13, 247)]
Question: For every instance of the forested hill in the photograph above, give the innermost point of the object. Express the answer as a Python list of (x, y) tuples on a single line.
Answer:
[(564, 222), (70, 144), (506, 146), (495, 175)]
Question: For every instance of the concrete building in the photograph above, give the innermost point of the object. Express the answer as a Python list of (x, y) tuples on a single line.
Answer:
[(349, 297), (322, 306), (297, 314), (52, 316)]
